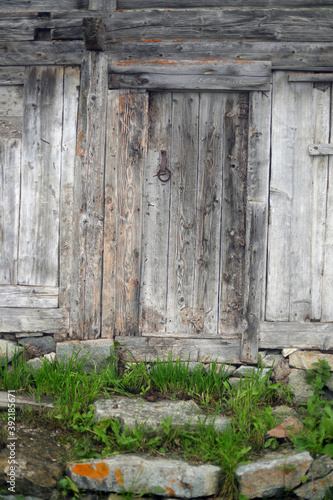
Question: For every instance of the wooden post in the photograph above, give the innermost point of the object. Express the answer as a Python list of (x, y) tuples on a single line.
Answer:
[(85, 315)]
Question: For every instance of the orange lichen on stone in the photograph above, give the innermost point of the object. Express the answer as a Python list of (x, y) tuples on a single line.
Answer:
[(97, 471), (170, 491), (119, 476)]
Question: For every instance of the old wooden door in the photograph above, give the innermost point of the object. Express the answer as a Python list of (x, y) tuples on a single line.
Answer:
[(299, 305), (175, 250), (37, 149)]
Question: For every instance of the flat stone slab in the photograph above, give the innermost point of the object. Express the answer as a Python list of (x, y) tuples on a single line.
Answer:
[(304, 359), (98, 352), (24, 401), (142, 474), (138, 411), (301, 389), (315, 490)]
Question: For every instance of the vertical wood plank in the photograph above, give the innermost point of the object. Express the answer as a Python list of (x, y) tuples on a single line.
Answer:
[(10, 169), (41, 165), (71, 96), (208, 210), (110, 220), (89, 198), (156, 216), (319, 165), (233, 213), (181, 317), (133, 114)]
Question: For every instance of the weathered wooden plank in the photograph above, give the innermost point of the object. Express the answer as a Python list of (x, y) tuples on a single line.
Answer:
[(11, 100), (208, 210), (194, 335), (89, 198), (232, 274), (320, 132), (194, 4), (68, 147), (282, 335), (10, 173), (186, 82), (133, 118), (259, 150), (156, 214), (94, 33), (181, 316), (42, 5), (295, 56), (27, 296), (30, 321), (105, 5), (41, 166), (41, 53), (300, 24), (150, 348), (254, 266), (314, 77), (281, 193), (12, 75), (320, 149), (110, 221), (221, 67)]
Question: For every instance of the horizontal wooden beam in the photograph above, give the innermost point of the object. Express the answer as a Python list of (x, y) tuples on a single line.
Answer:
[(43, 5), (282, 335), (41, 53), (280, 24), (17, 320), (28, 296), (311, 77), (194, 4), (294, 56), (12, 75), (320, 149)]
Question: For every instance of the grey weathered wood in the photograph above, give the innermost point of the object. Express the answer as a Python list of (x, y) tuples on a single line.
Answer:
[(41, 53), (12, 75), (42, 5), (255, 259), (194, 4), (30, 321), (89, 198), (27, 296), (320, 149), (110, 216), (280, 335), (68, 148), (181, 315), (299, 24), (295, 56), (133, 109), (232, 273), (187, 82), (314, 77), (151, 348), (11, 100), (156, 216), (94, 33), (193, 335), (105, 5), (221, 67), (41, 167)]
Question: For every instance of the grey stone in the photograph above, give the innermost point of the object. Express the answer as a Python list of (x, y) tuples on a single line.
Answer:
[(35, 363), (268, 478), (24, 400), (304, 359), (51, 357), (282, 412), (315, 490), (287, 352), (46, 344), (301, 389), (320, 467), (138, 411), (248, 371), (329, 383), (281, 371), (97, 352), (271, 360), (7, 350), (142, 474)]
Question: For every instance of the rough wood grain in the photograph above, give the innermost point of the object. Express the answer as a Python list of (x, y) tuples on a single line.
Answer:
[(254, 266), (150, 348), (42, 5), (30, 321), (235, 145), (94, 33), (314, 77), (299, 24), (41, 53), (185, 82), (132, 156), (105, 5), (182, 257), (89, 198), (320, 149), (12, 75), (68, 148), (11, 100), (295, 56), (27, 296), (194, 4), (156, 216), (110, 217), (282, 335), (41, 167)]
